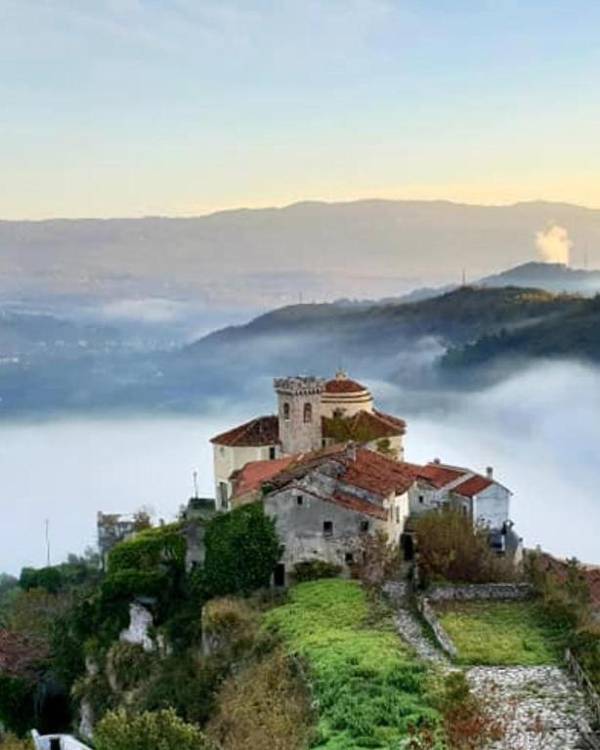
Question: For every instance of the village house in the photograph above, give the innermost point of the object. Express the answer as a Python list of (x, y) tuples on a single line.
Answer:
[(330, 469)]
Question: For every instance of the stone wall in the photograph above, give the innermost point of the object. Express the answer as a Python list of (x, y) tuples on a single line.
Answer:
[(481, 591), (443, 639)]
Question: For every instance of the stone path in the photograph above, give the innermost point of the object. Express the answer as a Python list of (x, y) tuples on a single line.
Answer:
[(542, 708)]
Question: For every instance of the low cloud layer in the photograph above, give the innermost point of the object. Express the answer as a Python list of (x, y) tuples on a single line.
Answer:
[(553, 244), (539, 429)]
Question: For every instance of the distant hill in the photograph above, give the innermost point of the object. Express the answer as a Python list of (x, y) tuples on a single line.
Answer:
[(269, 257), (554, 277), (422, 345)]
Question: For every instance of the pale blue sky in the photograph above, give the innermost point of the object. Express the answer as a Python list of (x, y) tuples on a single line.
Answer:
[(131, 107)]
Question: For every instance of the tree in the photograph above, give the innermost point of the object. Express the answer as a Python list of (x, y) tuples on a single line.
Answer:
[(450, 548), (162, 730), (242, 549)]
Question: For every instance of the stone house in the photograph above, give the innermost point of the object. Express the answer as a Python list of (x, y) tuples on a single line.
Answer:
[(485, 500), (325, 503), (312, 413)]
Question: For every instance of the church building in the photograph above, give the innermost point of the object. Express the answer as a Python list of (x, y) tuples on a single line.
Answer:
[(312, 413)]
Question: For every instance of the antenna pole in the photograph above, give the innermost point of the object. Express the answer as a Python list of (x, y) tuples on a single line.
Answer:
[(195, 476), (48, 542)]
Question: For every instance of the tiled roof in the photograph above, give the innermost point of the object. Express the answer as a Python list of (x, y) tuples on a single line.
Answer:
[(439, 475), (252, 476), (359, 505), (356, 467), (259, 431), (473, 486), (343, 385)]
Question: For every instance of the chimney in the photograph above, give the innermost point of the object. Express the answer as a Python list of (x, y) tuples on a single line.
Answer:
[(437, 461), (489, 472)]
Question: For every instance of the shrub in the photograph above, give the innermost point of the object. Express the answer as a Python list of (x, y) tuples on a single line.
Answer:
[(147, 731), (10, 742), (17, 709), (377, 560), (129, 663), (241, 550), (311, 570), (149, 549), (266, 705), (185, 683), (450, 548)]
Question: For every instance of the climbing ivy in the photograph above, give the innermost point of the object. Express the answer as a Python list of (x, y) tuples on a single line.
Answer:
[(242, 549)]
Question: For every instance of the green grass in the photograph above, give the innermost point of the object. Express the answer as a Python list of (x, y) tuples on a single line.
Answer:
[(369, 688), (502, 633)]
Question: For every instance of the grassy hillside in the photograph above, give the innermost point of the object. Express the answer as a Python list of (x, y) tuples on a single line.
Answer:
[(369, 689)]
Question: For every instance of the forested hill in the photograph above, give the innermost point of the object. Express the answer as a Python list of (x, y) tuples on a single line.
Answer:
[(457, 317), (397, 341), (573, 334)]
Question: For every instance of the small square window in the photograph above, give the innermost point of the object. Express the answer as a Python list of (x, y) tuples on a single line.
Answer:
[(328, 528), (349, 557), (299, 500), (364, 526)]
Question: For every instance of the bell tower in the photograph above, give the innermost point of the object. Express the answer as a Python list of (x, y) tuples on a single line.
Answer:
[(299, 402)]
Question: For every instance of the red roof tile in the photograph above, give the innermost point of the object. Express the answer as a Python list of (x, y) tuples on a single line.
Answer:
[(358, 467), (252, 476), (473, 486), (359, 505), (439, 475), (343, 385), (259, 431)]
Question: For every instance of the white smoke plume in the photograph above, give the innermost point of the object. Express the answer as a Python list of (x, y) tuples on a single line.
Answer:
[(553, 244)]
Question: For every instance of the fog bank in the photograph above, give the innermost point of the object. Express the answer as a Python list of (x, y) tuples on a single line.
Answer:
[(539, 429)]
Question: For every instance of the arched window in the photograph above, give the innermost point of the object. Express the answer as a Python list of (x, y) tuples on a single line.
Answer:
[(308, 412), (286, 411)]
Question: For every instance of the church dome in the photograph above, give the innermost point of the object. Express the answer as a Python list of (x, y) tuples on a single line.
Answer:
[(342, 384), (345, 397)]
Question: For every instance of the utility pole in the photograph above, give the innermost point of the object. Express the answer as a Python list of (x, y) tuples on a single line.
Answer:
[(195, 477)]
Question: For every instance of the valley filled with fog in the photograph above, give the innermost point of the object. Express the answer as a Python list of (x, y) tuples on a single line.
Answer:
[(538, 428)]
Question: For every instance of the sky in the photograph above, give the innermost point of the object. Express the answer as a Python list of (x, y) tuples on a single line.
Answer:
[(182, 107)]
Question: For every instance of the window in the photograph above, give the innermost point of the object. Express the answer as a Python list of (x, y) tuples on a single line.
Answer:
[(421, 499), (307, 413), (223, 494), (349, 557), (328, 528), (397, 514), (272, 452), (286, 411), (299, 500), (364, 526)]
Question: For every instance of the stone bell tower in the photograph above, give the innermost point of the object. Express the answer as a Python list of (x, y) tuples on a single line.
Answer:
[(299, 412)]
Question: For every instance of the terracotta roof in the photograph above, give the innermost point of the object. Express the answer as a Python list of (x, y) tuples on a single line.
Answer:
[(473, 486), (259, 431), (376, 473), (364, 426), (356, 467), (439, 475), (343, 385), (20, 656), (359, 505), (252, 476)]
